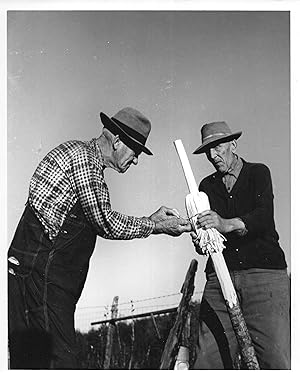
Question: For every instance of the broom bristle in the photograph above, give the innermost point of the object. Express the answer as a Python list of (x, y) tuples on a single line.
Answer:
[(210, 240)]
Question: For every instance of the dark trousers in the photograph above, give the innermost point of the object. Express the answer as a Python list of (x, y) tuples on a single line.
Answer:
[(264, 296), (45, 280)]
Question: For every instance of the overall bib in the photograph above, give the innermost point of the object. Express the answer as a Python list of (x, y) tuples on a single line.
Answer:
[(45, 281)]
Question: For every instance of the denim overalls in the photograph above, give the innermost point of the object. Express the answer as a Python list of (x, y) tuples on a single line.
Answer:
[(46, 279)]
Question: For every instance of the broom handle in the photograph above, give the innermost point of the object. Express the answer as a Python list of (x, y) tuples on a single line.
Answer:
[(228, 290), (187, 170)]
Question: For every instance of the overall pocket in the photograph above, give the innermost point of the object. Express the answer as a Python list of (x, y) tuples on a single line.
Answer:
[(71, 229), (29, 240)]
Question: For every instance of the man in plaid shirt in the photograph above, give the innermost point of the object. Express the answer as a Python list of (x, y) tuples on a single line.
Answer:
[(68, 206)]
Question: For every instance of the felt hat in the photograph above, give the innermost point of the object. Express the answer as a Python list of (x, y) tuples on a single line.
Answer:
[(214, 133), (132, 127)]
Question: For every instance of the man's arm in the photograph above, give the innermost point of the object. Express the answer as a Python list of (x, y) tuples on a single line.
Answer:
[(209, 219), (93, 194), (255, 221), (262, 216)]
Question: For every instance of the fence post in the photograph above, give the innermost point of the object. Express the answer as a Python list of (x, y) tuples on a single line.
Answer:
[(132, 338), (110, 333), (178, 332), (155, 326)]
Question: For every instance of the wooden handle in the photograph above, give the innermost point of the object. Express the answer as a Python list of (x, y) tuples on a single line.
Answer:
[(188, 173)]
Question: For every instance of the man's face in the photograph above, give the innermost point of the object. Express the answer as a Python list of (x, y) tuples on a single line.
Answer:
[(221, 156), (125, 157)]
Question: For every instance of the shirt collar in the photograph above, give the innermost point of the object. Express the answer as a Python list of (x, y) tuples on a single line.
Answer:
[(98, 152), (235, 167)]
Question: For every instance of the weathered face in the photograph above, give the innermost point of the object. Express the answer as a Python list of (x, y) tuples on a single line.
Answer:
[(124, 157), (221, 156)]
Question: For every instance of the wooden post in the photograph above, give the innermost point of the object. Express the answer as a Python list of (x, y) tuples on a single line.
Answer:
[(186, 332), (110, 333), (182, 320), (155, 326), (121, 353), (132, 345), (132, 338)]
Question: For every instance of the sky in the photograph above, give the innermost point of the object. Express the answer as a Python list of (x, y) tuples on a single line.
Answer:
[(181, 69)]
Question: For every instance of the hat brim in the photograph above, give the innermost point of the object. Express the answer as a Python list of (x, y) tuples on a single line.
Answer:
[(212, 143), (114, 127)]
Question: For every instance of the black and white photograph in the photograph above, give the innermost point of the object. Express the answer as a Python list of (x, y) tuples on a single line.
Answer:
[(148, 188)]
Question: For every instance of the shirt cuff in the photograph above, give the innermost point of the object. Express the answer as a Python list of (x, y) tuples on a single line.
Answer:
[(147, 226)]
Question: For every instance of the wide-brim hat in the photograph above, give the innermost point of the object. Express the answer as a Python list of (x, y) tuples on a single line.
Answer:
[(132, 127), (214, 133)]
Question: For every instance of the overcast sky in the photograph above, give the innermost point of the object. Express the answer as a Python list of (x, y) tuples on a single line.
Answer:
[(181, 69)]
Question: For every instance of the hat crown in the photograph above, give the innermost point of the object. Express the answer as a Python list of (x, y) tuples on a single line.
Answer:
[(214, 133), (135, 120), (214, 130), (132, 127)]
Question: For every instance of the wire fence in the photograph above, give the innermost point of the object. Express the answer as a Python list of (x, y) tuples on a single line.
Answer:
[(84, 316)]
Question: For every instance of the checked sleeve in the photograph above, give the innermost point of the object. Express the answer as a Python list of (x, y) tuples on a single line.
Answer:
[(93, 194)]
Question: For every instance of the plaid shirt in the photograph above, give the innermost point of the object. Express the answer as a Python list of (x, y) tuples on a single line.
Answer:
[(74, 171)]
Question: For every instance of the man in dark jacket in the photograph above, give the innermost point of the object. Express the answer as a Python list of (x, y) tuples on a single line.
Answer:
[(68, 206), (241, 202)]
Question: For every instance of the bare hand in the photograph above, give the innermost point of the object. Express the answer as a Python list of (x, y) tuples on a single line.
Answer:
[(209, 219), (163, 212), (167, 221), (195, 241)]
